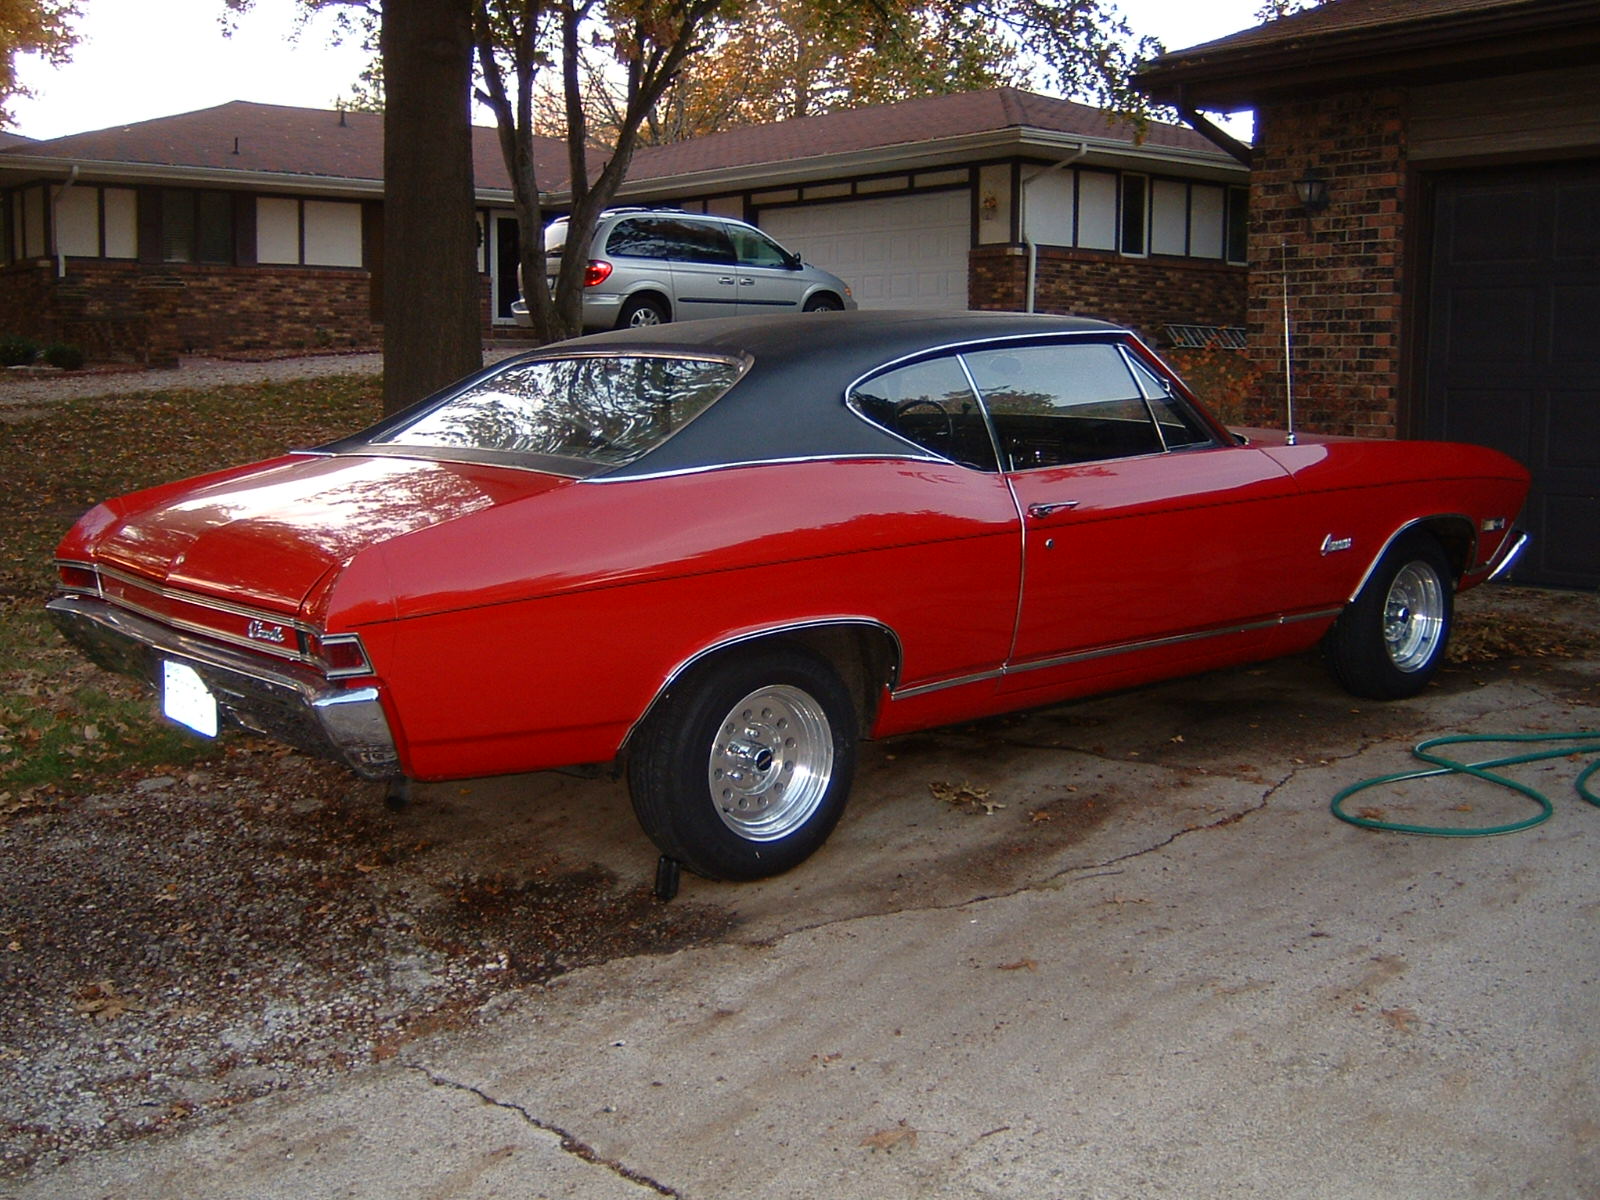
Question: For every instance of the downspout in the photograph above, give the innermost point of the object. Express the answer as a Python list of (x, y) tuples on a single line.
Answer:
[(55, 221), (1022, 218)]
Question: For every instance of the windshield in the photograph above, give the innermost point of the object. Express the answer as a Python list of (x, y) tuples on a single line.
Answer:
[(604, 410)]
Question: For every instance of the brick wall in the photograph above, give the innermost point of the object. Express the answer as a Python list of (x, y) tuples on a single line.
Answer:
[(1343, 265), (130, 311), (1144, 294)]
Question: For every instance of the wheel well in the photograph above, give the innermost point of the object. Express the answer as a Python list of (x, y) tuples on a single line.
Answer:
[(1455, 537), (650, 294), (865, 655), (831, 297)]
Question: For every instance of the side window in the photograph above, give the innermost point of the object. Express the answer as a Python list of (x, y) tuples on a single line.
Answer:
[(930, 404), (1053, 405), (756, 249), (698, 242), (641, 237)]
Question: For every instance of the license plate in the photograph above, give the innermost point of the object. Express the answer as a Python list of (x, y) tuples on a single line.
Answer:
[(186, 699)]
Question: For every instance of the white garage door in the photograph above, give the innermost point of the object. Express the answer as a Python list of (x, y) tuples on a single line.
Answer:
[(896, 252)]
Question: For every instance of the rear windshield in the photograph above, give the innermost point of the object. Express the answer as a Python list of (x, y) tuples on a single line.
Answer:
[(599, 410)]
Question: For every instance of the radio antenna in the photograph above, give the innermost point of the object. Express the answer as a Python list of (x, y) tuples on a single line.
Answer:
[(1288, 349)]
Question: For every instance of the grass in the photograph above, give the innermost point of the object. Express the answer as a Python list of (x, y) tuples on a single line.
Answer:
[(66, 726)]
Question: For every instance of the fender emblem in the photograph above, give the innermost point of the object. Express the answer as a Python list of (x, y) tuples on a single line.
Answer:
[(1332, 545), (260, 631)]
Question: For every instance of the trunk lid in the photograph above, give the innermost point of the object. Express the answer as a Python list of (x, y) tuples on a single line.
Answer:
[(264, 537)]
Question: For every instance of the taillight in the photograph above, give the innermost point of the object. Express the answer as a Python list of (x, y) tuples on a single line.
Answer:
[(596, 272), (78, 577), (340, 654)]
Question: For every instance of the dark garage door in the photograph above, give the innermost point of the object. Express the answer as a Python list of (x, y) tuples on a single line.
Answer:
[(1513, 345)]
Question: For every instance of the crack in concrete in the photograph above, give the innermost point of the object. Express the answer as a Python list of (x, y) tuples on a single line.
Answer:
[(570, 1143)]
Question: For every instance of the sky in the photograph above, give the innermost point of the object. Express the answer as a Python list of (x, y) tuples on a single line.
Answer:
[(130, 67)]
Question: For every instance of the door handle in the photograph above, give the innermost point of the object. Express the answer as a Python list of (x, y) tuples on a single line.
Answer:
[(746, 281), (728, 279), (1044, 510)]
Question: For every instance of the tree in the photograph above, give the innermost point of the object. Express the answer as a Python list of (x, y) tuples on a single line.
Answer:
[(40, 27), (429, 273), (796, 58), (431, 330), (518, 43)]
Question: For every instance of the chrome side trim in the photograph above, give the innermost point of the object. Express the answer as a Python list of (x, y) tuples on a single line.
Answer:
[(1120, 648)]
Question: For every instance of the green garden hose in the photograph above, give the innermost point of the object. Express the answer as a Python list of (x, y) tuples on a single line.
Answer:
[(1572, 745)]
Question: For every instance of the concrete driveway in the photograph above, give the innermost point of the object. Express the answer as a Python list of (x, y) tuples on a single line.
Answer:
[(1112, 949)]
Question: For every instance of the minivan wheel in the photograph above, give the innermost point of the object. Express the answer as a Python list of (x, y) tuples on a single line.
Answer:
[(642, 312), (823, 304)]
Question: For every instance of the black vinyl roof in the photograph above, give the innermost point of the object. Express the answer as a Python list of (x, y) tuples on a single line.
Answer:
[(790, 403)]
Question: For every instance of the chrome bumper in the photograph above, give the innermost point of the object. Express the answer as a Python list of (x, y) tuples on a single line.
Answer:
[(1510, 550), (285, 701)]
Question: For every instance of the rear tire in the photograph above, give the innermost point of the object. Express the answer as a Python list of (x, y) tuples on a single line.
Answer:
[(643, 312), (1390, 640), (743, 768)]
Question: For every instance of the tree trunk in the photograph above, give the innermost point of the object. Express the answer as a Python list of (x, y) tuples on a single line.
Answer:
[(431, 318)]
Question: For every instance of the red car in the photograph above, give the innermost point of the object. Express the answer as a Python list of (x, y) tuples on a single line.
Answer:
[(720, 553)]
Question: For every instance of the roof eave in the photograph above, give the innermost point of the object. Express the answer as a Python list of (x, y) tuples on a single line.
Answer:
[(933, 154), (20, 168), (1227, 78)]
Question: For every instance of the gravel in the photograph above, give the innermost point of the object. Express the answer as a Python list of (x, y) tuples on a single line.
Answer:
[(179, 944)]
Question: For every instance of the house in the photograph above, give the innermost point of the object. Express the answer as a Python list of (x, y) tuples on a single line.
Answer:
[(251, 226), (1426, 193)]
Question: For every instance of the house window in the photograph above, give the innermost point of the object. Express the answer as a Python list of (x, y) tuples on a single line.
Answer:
[(1135, 210), (196, 227), (1238, 225)]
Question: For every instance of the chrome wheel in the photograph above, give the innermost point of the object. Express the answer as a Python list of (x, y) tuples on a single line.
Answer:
[(771, 763), (1414, 617)]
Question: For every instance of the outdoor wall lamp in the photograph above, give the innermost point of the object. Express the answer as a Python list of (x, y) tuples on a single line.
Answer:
[(1312, 193)]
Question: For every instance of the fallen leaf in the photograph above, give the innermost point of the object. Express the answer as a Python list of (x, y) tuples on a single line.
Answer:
[(1022, 964), (102, 1002), (1403, 1019), (891, 1139)]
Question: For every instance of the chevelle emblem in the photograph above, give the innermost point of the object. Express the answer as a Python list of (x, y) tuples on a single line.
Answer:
[(1331, 544), (261, 631)]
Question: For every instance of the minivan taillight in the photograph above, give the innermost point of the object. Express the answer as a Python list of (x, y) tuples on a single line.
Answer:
[(596, 272)]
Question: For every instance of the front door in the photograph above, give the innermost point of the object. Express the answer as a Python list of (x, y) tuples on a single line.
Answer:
[(1139, 528)]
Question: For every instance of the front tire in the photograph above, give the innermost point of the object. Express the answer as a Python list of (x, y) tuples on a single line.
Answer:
[(1390, 640), (742, 769), (823, 303)]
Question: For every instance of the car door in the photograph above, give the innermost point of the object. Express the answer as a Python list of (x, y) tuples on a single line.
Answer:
[(1140, 527), (705, 272), (769, 276)]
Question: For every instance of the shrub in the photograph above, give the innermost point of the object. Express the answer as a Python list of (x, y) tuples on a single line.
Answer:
[(16, 351), (68, 358)]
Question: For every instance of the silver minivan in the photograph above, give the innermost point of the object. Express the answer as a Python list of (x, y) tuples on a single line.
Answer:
[(650, 266)]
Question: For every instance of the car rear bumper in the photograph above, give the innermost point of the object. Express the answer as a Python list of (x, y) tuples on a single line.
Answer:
[(286, 702)]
